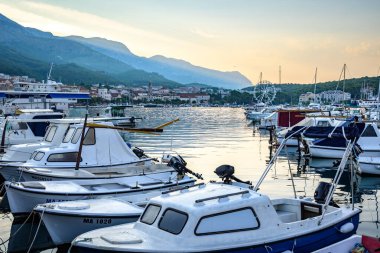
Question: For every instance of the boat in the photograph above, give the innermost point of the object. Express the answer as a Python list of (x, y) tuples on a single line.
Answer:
[(224, 218), (24, 196), (369, 165), (360, 242), (231, 216), (306, 122), (29, 126), (103, 149), (330, 146), (66, 220)]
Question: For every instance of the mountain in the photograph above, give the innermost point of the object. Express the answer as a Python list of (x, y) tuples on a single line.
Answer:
[(174, 69), (99, 58), (30, 52)]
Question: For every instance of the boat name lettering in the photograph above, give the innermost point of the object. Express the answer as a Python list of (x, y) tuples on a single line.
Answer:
[(54, 200), (41, 178), (97, 221)]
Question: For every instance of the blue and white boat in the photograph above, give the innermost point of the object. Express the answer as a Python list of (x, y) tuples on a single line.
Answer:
[(224, 218), (228, 217)]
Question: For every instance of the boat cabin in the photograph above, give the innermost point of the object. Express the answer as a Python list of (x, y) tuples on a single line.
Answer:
[(101, 146)]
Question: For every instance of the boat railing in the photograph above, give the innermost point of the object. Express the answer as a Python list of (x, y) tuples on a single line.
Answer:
[(183, 188), (222, 196), (274, 157), (338, 175)]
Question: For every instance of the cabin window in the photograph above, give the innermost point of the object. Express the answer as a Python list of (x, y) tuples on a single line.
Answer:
[(38, 156), (69, 134), (77, 135), (63, 157), (150, 214), (227, 222), (19, 126), (89, 139), (369, 132), (173, 221), (323, 123), (50, 134)]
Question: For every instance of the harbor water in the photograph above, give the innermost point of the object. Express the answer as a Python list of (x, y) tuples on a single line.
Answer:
[(209, 137)]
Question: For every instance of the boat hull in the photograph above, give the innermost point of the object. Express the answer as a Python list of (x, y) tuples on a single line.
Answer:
[(22, 201), (64, 228), (303, 243)]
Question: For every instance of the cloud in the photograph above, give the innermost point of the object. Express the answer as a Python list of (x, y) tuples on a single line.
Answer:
[(358, 49), (203, 33)]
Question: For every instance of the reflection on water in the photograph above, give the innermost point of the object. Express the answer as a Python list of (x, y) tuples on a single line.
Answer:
[(210, 137)]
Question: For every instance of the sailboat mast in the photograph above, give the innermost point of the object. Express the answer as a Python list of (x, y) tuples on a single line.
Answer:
[(315, 85), (279, 74), (344, 78)]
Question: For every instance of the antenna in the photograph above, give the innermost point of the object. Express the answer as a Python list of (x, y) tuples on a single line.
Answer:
[(49, 74)]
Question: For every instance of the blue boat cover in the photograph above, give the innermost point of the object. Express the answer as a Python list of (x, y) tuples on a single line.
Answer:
[(69, 95)]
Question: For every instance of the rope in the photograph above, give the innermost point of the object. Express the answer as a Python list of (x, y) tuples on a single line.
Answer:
[(11, 236), (38, 228)]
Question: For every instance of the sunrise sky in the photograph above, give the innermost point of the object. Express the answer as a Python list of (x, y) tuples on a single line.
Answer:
[(250, 36)]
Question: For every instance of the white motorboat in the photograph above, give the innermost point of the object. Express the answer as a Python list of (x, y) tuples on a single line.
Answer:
[(230, 217), (368, 140), (369, 165), (306, 122), (24, 196), (53, 137), (66, 220), (224, 218), (103, 149), (28, 127)]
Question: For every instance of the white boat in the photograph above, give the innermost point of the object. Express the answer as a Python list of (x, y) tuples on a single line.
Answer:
[(66, 220), (53, 137), (224, 218), (103, 149), (28, 127), (24, 196), (349, 244), (229, 217), (369, 142), (258, 115), (306, 122), (369, 165)]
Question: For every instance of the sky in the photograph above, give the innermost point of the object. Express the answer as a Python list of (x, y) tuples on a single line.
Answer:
[(249, 36)]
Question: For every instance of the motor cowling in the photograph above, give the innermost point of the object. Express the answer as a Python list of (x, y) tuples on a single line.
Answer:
[(226, 173)]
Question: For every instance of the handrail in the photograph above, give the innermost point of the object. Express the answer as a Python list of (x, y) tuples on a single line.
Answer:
[(182, 188), (337, 177), (274, 157), (222, 196)]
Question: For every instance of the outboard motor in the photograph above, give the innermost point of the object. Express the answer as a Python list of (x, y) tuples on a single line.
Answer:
[(179, 164), (321, 193), (139, 152), (226, 173)]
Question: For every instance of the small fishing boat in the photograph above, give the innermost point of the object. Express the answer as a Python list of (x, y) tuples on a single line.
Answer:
[(305, 123), (66, 220), (369, 165), (224, 218), (28, 126), (103, 150), (24, 196), (331, 142), (360, 242), (230, 217)]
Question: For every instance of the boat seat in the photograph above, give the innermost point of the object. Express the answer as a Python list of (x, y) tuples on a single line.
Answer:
[(286, 216), (34, 185)]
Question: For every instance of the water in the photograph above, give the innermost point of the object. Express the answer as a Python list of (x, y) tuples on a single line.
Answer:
[(209, 137)]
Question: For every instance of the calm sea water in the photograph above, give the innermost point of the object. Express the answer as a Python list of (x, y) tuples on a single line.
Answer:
[(209, 137)]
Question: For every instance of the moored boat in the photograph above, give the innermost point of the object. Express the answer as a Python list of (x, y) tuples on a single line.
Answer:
[(224, 218)]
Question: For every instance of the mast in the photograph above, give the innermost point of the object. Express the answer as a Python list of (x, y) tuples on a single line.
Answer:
[(49, 74), (261, 77), (315, 85), (344, 78), (279, 74)]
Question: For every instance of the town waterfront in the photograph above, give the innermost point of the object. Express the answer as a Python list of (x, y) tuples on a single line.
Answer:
[(209, 137)]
